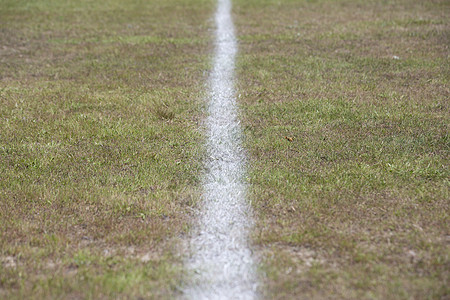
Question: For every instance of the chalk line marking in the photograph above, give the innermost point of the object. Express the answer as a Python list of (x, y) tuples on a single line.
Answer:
[(221, 258)]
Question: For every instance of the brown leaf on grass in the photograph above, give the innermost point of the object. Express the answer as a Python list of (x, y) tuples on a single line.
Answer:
[(290, 139)]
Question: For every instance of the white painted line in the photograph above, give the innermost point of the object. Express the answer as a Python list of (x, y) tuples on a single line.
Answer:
[(221, 257)]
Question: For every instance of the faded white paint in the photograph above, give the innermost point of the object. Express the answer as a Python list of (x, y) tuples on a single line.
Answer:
[(221, 258)]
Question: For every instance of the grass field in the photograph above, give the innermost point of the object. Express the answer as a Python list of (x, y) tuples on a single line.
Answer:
[(99, 144), (345, 110), (346, 114)]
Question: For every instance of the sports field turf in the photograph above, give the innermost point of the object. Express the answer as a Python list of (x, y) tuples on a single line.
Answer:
[(344, 106)]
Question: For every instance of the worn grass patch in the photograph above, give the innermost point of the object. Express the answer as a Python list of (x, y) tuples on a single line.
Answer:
[(345, 108), (99, 147)]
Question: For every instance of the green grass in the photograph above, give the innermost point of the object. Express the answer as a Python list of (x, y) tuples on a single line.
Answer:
[(345, 111), (99, 147), (345, 108)]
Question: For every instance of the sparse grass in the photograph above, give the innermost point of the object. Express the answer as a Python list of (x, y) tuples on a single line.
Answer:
[(345, 108), (99, 147)]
